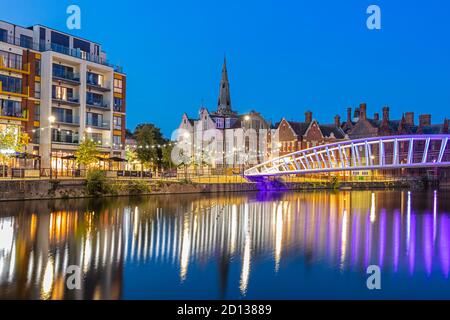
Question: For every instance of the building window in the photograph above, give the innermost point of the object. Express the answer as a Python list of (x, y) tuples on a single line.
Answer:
[(37, 113), (10, 60), (36, 136), (37, 67), (94, 119), (118, 85), (63, 115), (95, 79), (59, 40), (62, 93), (117, 142), (82, 45), (11, 108), (117, 121), (11, 84), (64, 72), (94, 99), (26, 41), (37, 90), (118, 104), (96, 137), (3, 35), (64, 136)]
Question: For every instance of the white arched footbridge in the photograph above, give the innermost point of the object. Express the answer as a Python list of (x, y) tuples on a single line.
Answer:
[(378, 153)]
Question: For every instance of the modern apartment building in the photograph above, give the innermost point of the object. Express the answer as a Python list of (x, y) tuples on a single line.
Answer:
[(59, 89)]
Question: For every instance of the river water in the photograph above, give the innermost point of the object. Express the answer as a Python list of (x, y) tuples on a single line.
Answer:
[(297, 245)]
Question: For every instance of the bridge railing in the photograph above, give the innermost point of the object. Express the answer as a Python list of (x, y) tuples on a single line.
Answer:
[(363, 154)]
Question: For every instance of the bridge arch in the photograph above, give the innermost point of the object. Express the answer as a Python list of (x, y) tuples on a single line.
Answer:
[(376, 153)]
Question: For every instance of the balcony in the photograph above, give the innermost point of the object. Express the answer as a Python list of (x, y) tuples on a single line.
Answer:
[(99, 140), (11, 113), (98, 105), (18, 94), (105, 125), (60, 49), (66, 139), (12, 65), (68, 120), (17, 42), (76, 53), (67, 77), (97, 86), (71, 101)]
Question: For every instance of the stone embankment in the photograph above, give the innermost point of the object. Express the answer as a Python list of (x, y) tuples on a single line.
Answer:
[(76, 188)]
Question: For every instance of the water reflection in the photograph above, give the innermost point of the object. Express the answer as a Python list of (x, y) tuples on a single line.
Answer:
[(230, 237)]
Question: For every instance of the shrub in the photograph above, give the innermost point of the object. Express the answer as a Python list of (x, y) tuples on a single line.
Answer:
[(114, 188), (96, 183), (138, 187)]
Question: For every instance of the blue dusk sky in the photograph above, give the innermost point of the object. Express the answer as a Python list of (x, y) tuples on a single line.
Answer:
[(284, 57)]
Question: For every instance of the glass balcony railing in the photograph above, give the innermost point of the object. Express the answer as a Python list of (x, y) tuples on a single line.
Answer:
[(65, 138), (66, 75), (60, 49), (97, 104), (68, 120), (98, 124), (71, 100), (77, 53), (18, 42)]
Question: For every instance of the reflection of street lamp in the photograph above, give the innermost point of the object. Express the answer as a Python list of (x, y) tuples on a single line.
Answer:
[(51, 119)]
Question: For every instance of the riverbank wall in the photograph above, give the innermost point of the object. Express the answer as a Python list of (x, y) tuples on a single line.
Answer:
[(11, 190)]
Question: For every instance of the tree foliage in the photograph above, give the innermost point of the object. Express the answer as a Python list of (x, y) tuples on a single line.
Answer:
[(148, 137), (12, 140), (87, 153), (130, 155)]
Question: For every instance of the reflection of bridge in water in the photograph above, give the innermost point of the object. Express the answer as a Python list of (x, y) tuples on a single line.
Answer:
[(343, 230), (379, 153)]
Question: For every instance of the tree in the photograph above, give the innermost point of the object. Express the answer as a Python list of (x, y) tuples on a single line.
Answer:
[(128, 134), (130, 155), (12, 140), (87, 152), (148, 138), (167, 156)]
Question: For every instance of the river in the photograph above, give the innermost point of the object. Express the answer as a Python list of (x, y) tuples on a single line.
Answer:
[(293, 245)]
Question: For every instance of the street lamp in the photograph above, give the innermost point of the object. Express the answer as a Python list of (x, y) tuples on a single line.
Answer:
[(51, 119)]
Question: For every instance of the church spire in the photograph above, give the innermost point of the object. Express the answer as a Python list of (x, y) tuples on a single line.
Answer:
[(224, 103)]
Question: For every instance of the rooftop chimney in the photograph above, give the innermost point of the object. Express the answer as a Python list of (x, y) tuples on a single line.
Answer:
[(337, 120), (362, 111), (386, 113), (349, 115), (308, 116), (425, 120), (409, 117), (376, 116), (356, 114)]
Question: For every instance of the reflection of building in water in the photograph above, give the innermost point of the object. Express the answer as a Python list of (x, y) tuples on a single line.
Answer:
[(37, 249), (343, 230)]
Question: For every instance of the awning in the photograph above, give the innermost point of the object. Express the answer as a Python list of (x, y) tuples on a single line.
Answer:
[(26, 155), (69, 157)]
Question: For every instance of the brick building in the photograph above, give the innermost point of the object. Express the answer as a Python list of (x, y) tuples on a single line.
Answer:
[(293, 136)]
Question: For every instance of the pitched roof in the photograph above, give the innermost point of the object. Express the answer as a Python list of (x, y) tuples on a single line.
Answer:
[(299, 127), (328, 129)]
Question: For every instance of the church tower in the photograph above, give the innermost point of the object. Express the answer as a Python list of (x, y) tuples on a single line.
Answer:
[(224, 103)]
